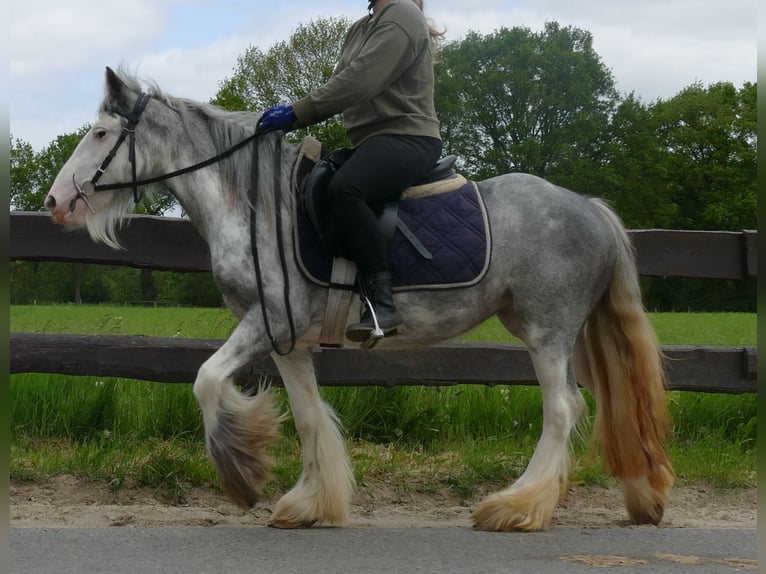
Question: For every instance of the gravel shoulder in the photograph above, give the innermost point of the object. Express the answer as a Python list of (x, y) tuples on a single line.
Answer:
[(69, 502)]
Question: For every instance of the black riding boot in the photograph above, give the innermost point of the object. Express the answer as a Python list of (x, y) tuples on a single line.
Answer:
[(377, 288)]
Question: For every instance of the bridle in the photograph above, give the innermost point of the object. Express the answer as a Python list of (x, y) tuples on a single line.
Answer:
[(128, 131), (90, 187)]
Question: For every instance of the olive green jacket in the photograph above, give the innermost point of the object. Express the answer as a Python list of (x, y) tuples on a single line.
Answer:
[(384, 82)]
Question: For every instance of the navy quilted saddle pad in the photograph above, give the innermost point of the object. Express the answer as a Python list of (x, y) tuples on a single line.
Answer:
[(452, 226)]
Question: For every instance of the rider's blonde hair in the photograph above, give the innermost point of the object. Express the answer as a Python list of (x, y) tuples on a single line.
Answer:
[(436, 35)]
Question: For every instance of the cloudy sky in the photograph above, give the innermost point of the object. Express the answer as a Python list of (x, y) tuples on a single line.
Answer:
[(58, 50)]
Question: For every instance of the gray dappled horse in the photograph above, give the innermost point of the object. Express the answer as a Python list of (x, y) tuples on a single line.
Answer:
[(562, 277)]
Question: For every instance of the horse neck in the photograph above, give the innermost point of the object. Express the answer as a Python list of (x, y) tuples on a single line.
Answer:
[(219, 195)]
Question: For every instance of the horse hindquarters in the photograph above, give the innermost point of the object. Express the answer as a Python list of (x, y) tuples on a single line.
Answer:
[(627, 377)]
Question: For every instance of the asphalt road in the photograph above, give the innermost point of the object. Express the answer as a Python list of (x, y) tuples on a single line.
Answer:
[(380, 550)]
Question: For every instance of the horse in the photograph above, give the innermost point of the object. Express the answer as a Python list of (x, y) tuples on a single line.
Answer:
[(562, 278)]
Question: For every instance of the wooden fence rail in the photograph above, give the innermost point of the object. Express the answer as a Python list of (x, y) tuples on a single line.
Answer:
[(170, 360), (174, 244)]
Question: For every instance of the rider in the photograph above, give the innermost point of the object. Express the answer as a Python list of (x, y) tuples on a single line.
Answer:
[(384, 85)]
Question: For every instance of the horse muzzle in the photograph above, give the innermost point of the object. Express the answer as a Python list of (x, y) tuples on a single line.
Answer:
[(68, 211)]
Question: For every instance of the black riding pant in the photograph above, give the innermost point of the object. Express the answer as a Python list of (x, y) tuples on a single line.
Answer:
[(379, 170)]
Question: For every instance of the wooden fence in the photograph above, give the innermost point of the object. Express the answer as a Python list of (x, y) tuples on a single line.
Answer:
[(174, 244)]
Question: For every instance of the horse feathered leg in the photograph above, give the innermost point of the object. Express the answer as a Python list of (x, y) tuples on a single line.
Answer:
[(529, 503), (238, 428), (323, 491)]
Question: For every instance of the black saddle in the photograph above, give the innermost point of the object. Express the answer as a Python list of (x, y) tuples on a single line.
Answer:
[(316, 203)]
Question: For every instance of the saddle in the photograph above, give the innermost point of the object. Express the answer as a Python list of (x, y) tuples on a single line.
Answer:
[(438, 233), (316, 202)]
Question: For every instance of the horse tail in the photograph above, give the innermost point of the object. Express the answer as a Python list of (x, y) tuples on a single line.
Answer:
[(629, 383)]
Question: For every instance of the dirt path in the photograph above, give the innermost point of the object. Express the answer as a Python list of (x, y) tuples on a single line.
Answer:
[(67, 502)]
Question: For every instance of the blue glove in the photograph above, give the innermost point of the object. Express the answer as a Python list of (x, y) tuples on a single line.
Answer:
[(277, 118)]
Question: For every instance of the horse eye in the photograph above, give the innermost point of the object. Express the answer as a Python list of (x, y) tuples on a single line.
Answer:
[(99, 134)]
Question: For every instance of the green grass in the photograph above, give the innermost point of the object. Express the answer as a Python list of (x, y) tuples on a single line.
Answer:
[(125, 431), (720, 329), (107, 320)]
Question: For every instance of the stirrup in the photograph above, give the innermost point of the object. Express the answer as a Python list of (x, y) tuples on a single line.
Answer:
[(377, 333)]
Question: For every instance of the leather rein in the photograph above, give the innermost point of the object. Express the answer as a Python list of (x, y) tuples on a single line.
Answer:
[(129, 132)]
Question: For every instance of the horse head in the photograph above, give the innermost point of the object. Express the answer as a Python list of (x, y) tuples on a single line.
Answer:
[(100, 156)]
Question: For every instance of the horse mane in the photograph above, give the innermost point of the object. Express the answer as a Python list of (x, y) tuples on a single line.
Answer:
[(226, 127)]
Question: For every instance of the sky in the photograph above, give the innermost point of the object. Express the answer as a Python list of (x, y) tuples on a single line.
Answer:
[(58, 50)]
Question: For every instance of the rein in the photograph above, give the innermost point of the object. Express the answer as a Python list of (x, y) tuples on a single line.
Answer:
[(280, 249), (130, 131)]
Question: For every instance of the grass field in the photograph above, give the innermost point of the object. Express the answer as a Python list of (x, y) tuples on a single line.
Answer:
[(151, 434)]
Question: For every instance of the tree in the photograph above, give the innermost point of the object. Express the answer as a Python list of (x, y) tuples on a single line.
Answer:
[(698, 171), (709, 136), (23, 176), (287, 72), (517, 100), (634, 173)]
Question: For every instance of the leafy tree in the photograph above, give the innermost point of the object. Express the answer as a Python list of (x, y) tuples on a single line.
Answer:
[(685, 163), (517, 100), (709, 135), (287, 72), (23, 176), (634, 172)]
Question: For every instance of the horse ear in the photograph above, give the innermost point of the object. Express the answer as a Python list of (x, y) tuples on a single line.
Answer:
[(118, 94), (114, 85)]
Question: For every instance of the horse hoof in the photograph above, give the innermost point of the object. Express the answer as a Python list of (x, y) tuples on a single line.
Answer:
[(283, 525), (653, 516)]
